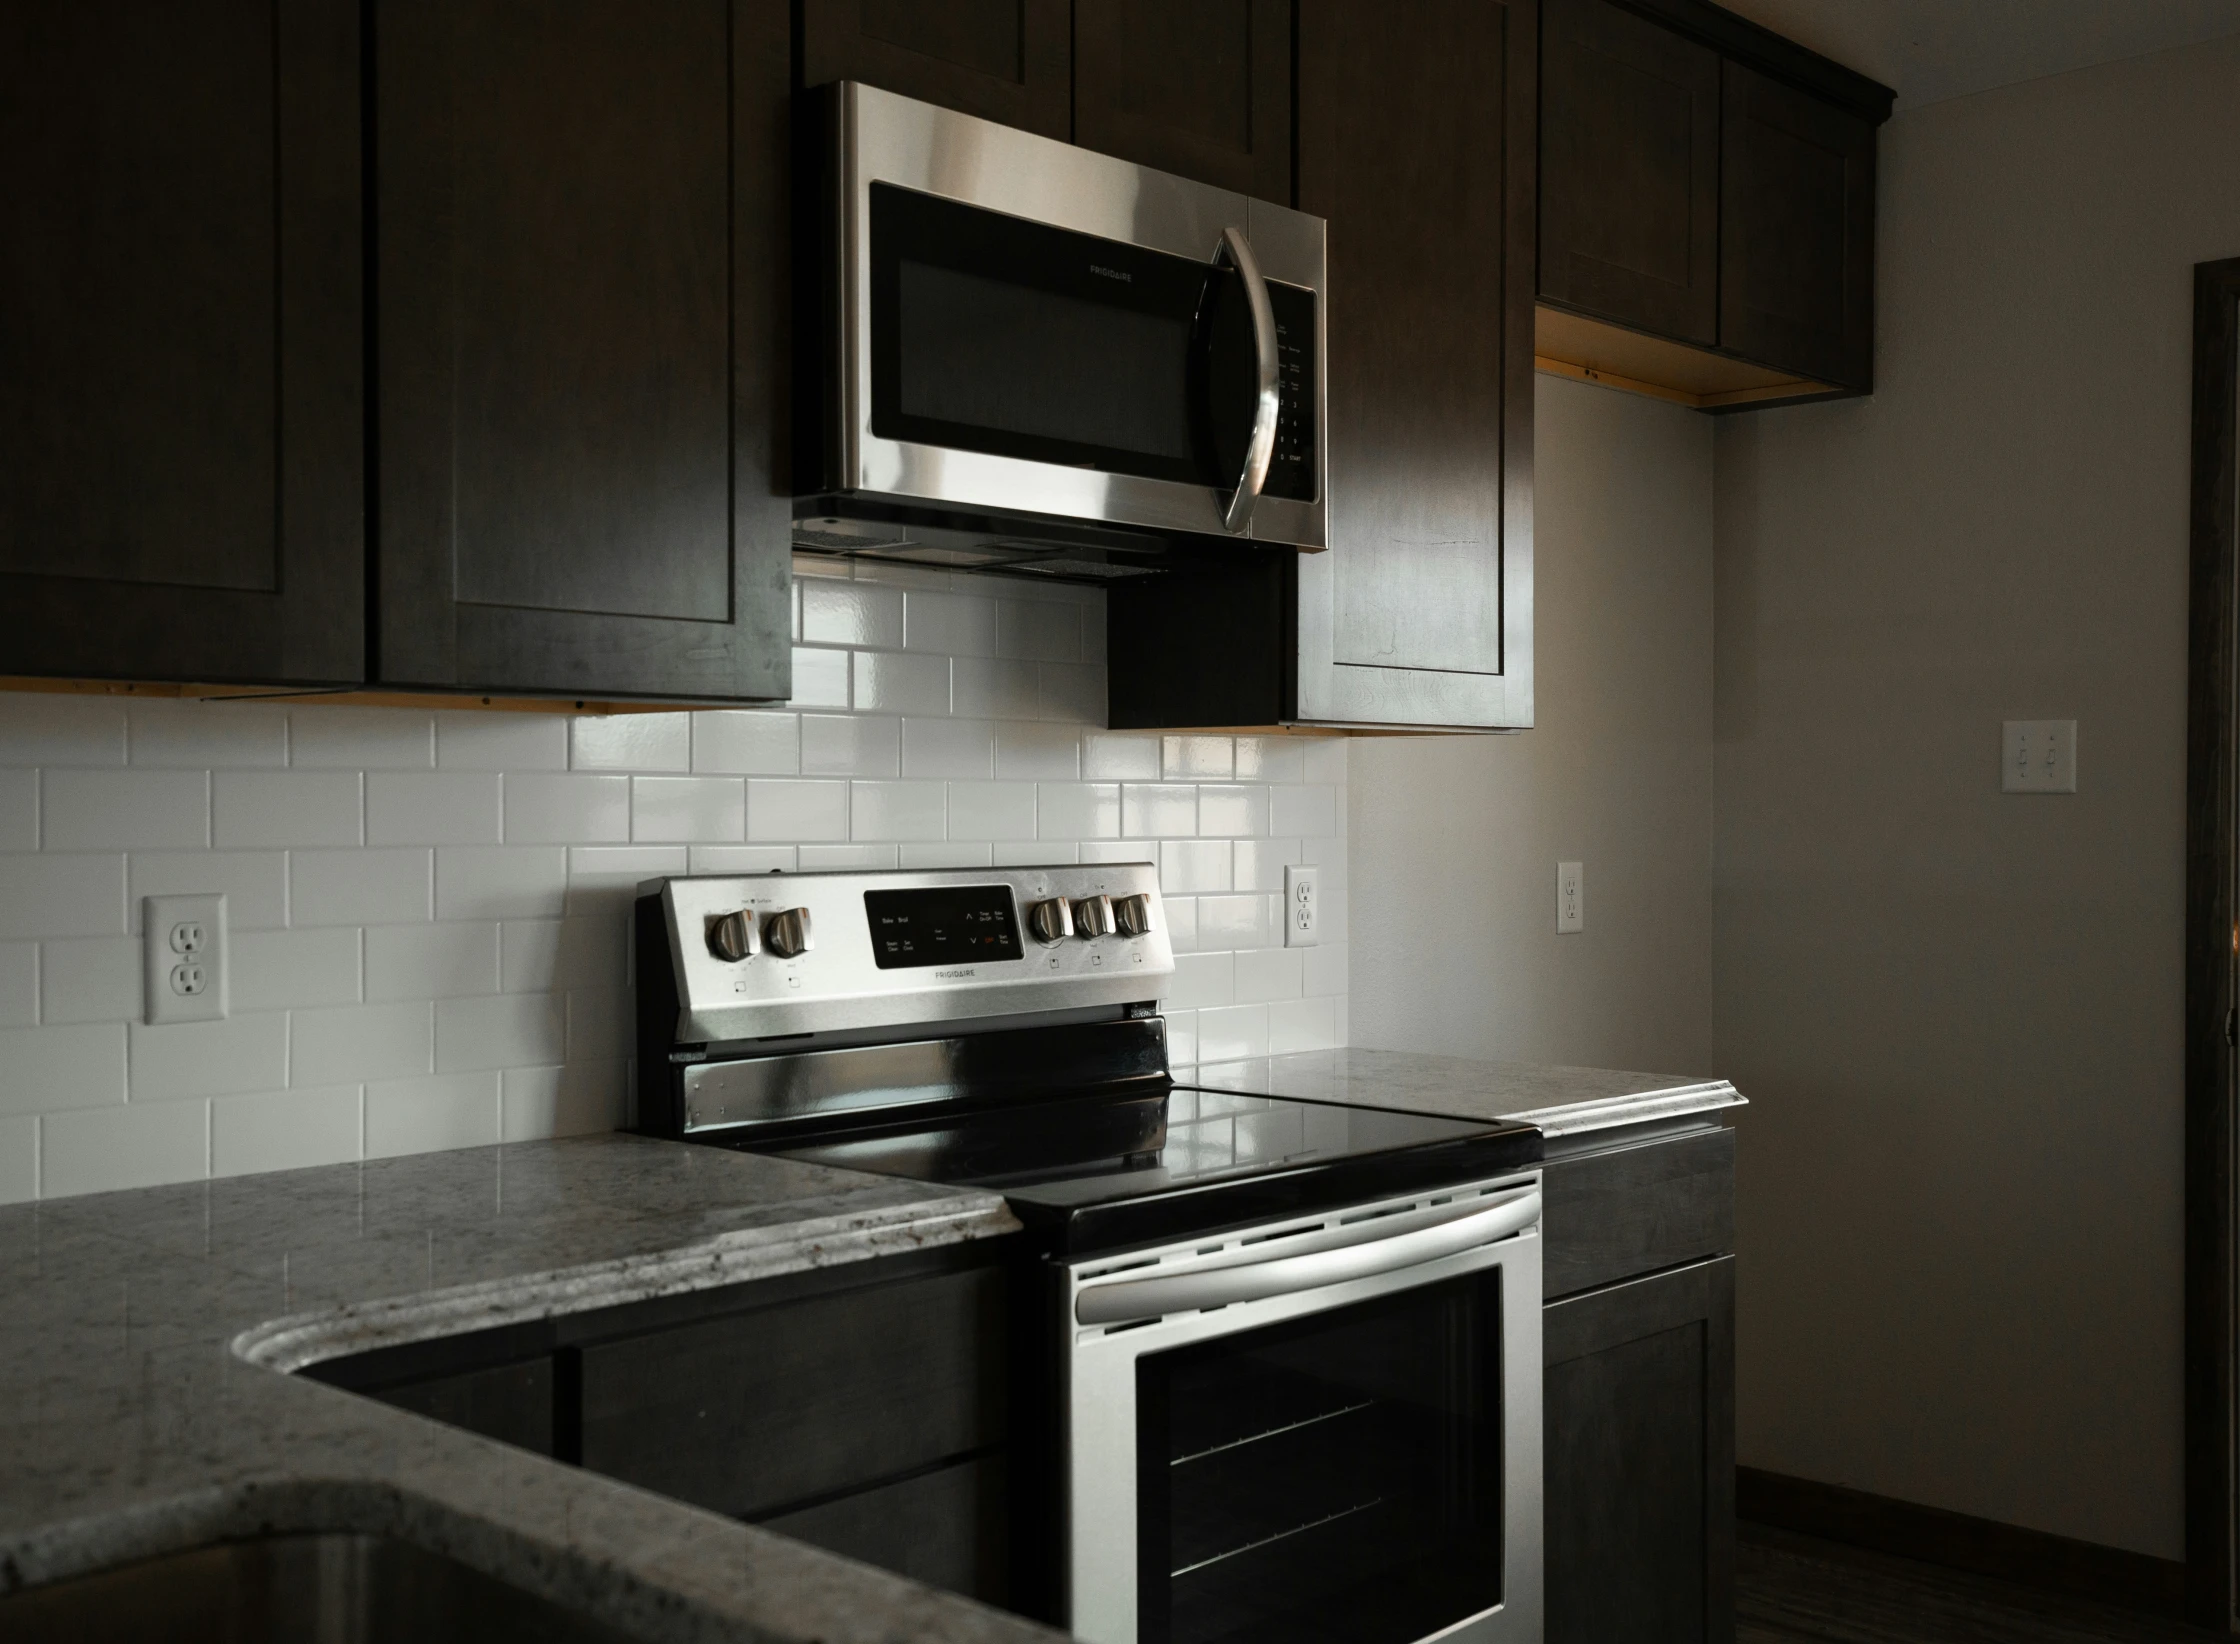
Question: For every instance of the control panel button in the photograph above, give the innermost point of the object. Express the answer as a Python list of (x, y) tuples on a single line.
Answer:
[(788, 933), (1051, 921), (1092, 916), (1133, 915), (731, 937)]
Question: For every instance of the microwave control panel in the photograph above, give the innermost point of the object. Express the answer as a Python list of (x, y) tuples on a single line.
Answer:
[(1291, 472)]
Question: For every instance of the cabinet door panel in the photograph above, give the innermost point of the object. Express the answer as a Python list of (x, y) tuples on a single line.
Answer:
[(1201, 88), (582, 233), (1796, 232), (513, 1403), (1420, 157), (947, 1528), (1629, 171), (181, 478), (1007, 60), (1639, 1458)]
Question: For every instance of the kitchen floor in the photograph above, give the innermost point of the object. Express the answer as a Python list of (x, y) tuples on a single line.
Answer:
[(1792, 1589)]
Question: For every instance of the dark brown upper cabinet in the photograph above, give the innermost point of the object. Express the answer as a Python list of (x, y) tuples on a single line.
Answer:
[(1201, 88), (181, 436), (1416, 139), (1797, 232), (1707, 207), (1007, 60), (1629, 170), (582, 345)]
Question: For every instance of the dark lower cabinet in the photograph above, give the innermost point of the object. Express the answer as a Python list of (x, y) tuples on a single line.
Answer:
[(1201, 88), (181, 360), (513, 1403), (948, 1528), (1007, 60), (1796, 246), (1639, 1500), (581, 334)]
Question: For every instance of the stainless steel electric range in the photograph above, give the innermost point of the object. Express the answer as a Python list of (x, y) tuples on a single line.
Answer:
[(1295, 1346)]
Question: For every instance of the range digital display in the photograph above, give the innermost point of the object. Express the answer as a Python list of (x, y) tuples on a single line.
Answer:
[(942, 925)]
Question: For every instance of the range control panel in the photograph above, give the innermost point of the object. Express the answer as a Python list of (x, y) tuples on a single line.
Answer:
[(756, 956)]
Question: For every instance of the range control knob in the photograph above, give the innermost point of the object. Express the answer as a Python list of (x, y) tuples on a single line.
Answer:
[(788, 933), (732, 938), (1133, 915), (1092, 916), (1051, 921)]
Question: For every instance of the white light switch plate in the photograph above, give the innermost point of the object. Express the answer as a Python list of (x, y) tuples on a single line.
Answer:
[(183, 958), (2039, 756), (1302, 908), (1571, 897)]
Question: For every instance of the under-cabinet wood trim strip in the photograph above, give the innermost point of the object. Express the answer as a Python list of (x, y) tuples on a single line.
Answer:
[(141, 690), (1802, 388)]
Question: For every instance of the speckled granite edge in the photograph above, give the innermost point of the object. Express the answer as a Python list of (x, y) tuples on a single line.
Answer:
[(1571, 1118), (304, 1339)]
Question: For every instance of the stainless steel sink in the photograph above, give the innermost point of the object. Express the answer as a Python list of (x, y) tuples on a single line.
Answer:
[(299, 1589)]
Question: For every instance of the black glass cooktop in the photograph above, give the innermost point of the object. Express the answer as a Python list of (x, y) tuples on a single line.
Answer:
[(1103, 1172)]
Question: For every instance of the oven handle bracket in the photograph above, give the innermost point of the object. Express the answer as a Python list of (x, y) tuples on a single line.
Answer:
[(1267, 404), (1371, 1250)]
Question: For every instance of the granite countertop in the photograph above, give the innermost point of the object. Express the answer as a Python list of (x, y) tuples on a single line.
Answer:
[(143, 1409), (1562, 1101)]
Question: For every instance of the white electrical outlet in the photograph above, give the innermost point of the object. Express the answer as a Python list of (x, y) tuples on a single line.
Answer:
[(183, 958), (2039, 756), (1302, 908), (1571, 897)]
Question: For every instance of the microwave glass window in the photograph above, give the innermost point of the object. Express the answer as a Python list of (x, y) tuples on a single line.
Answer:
[(1336, 1477)]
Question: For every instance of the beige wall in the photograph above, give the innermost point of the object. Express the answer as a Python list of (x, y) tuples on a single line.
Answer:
[(1958, 1012), (1454, 840)]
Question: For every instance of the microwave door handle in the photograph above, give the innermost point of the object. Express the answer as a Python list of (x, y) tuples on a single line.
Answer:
[(1268, 402), (1125, 1301)]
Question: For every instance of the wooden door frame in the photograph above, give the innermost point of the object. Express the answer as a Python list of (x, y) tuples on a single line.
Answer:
[(2212, 921)]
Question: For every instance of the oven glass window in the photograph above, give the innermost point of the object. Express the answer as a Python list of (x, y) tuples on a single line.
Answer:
[(1333, 1478)]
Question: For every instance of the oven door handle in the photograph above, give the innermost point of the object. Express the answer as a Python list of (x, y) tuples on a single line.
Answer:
[(1126, 1301), (1267, 403)]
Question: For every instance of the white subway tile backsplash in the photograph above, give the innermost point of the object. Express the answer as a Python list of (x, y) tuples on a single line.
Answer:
[(991, 810), (247, 1051), (1079, 810), (1326, 969), (631, 742), (1310, 811), (1302, 1024), (1232, 810), (102, 1149), (820, 678), (678, 809), (502, 741), (332, 738), (93, 979), (1265, 974), (1260, 863), (1120, 850), (501, 882), (1182, 922), (1326, 761), (894, 682), (185, 735), (1235, 922), (39, 729), (1073, 692), (19, 810), (1121, 757), (366, 887), (740, 859), (944, 747), (53, 895), (945, 853), (897, 810), (254, 884), (284, 1129), (849, 858), (1038, 751), (1158, 812), (851, 613), (1225, 1034), (426, 1115), (1030, 853), (19, 1158), (125, 810), (953, 624), (580, 1099), (345, 1044), (566, 809), (797, 810), (996, 688), (1182, 1037), (433, 808), (1270, 759), (278, 808), (1202, 979), (851, 745), (44, 1069), (549, 955), (280, 969), (19, 984), (1197, 758), (406, 962), (741, 742), (500, 1031), (603, 879), (1038, 630), (600, 1025)]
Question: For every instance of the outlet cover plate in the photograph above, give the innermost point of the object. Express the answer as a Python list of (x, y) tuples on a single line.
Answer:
[(1571, 897), (183, 958), (1302, 907)]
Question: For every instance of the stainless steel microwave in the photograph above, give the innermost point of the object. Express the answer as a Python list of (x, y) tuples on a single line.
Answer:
[(1013, 349)]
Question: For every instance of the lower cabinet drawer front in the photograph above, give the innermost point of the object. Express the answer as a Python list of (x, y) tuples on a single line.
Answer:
[(751, 1413), (1636, 1209), (947, 1528)]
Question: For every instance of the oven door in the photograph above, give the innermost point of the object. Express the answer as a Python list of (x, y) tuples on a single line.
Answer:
[(1326, 1430), (1030, 329)]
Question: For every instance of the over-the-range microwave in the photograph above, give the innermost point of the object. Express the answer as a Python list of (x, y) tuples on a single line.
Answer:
[(1018, 354)]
